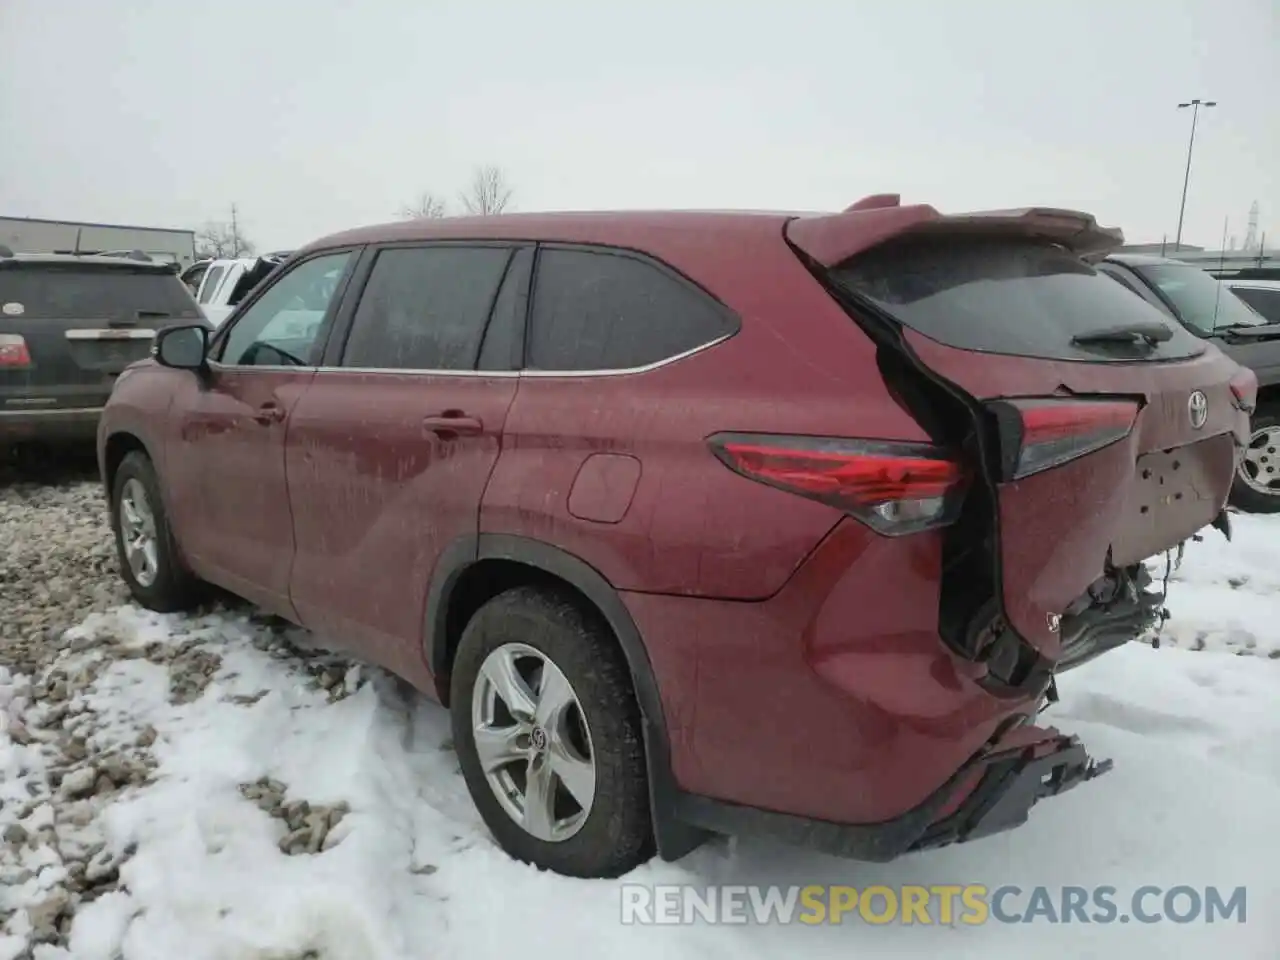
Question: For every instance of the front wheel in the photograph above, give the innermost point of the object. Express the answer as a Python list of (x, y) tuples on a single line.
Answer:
[(548, 736), (149, 560), (1256, 488)]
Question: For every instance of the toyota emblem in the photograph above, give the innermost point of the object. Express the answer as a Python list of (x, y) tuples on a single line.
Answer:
[(1198, 409)]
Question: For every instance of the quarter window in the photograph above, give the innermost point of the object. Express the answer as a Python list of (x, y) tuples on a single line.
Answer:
[(594, 310), (424, 308)]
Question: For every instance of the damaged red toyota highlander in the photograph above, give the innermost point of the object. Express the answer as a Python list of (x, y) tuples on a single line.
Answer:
[(696, 522)]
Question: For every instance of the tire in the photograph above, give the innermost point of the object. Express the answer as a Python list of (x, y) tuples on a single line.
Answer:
[(172, 587), (1245, 496), (530, 627)]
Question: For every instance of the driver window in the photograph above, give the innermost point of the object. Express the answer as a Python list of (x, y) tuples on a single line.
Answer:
[(281, 327)]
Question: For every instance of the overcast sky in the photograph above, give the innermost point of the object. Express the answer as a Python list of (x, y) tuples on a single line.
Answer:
[(316, 115)]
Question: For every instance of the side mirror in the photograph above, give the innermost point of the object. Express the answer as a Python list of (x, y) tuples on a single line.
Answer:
[(182, 347)]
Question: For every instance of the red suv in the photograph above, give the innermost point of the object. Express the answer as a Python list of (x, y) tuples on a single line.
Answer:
[(697, 522)]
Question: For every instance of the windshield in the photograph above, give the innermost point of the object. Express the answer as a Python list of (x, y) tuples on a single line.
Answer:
[(1201, 301)]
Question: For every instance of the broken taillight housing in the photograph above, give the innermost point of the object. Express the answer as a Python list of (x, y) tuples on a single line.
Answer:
[(894, 488), (13, 352), (1040, 434), (1244, 389)]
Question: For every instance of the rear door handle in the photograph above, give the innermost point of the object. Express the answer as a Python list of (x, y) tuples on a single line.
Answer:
[(452, 423), (269, 413)]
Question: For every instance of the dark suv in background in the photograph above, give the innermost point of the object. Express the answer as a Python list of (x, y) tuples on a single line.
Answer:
[(1208, 308), (68, 326)]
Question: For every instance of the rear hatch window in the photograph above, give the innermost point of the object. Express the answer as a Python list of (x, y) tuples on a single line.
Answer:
[(58, 291), (1013, 296)]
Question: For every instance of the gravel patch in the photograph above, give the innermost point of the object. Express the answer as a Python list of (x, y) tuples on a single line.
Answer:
[(57, 566), (69, 757)]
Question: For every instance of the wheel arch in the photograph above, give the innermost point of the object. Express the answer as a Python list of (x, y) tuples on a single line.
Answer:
[(119, 444), (1269, 395), (474, 569)]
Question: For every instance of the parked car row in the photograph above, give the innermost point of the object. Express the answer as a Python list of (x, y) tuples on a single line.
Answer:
[(69, 325), (699, 522), (1227, 314)]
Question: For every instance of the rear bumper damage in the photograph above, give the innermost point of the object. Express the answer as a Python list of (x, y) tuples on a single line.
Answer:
[(1009, 788), (990, 794)]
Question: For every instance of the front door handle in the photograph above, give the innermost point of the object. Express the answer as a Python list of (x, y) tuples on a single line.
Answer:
[(269, 413), (452, 423)]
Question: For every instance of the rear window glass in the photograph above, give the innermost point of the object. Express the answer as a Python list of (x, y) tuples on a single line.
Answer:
[(594, 310), (1200, 300), (1009, 296), (56, 292)]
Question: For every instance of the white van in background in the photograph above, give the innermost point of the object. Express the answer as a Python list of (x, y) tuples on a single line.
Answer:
[(219, 285)]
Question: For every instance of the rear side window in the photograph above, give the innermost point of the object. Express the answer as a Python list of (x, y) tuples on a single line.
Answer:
[(1009, 296), (211, 281), (424, 308), (80, 292), (601, 311), (1266, 302)]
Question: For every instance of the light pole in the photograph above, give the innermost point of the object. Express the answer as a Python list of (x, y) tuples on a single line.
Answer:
[(1186, 177)]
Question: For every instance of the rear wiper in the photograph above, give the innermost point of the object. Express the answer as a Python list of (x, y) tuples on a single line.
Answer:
[(1153, 332)]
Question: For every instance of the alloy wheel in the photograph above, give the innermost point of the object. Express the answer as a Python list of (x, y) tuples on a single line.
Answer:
[(138, 531), (1260, 468), (533, 742)]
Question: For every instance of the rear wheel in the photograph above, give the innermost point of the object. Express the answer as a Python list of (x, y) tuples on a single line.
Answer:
[(1257, 484), (548, 736), (149, 560)]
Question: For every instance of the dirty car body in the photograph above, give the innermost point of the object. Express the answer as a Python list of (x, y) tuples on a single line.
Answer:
[(843, 492)]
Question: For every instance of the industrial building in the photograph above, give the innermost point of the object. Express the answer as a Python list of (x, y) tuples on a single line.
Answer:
[(27, 235)]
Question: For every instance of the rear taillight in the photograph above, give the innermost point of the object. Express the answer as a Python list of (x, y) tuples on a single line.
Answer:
[(1038, 435), (1244, 388), (13, 352), (894, 488)]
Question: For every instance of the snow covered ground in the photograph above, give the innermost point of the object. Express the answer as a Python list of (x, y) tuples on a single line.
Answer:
[(215, 789)]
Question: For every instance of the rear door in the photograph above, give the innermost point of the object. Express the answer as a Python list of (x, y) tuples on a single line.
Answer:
[(1105, 431), (68, 328), (390, 449)]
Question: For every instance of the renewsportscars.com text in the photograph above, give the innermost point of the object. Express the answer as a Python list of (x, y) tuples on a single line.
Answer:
[(942, 904)]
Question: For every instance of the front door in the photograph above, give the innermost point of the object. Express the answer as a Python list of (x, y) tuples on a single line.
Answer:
[(230, 429), (388, 455)]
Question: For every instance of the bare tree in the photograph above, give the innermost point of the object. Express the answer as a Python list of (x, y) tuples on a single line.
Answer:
[(223, 240), (426, 207), (489, 192)]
